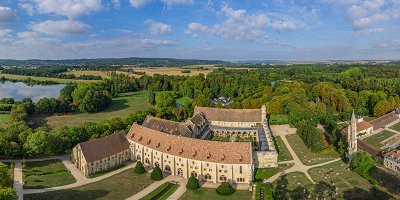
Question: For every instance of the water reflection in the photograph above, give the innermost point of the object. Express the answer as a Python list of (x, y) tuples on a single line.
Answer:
[(20, 90)]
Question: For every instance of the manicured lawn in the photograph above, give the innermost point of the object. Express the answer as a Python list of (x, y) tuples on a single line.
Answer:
[(211, 194), (117, 187), (184, 100), (337, 173), (3, 120), (158, 190), (46, 174), (265, 173), (376, 139), (278, 119), (308, 157), (390, 182), (396, 127), (121, 107), (267, 189), (293, 180), (283, 152), (109, 170), (58, 80)]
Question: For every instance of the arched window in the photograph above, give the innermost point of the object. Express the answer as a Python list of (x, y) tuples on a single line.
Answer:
[(138, 157), (180, 172), (156, 164), (207, 177), (222, 178), (147, 161), (167, 169), (194, 174)]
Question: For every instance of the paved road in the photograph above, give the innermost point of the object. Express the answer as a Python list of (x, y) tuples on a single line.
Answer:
[(18, 181)]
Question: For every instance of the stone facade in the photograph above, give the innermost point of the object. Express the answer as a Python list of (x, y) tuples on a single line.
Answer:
[(392, 160)]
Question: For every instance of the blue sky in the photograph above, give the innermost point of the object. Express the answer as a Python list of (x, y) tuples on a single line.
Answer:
[(201, 29)]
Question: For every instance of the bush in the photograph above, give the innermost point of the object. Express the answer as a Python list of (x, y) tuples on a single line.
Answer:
[(193, 183), (225, 189), (139, 169), (156, 174), (8, 194)]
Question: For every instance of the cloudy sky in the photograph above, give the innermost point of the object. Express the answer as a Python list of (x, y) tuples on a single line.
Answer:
[(201, 29)]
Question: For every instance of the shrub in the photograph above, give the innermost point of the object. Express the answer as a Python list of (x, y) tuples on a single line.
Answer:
[(192, 183), (225, 189), (139, 169), (156, 174)]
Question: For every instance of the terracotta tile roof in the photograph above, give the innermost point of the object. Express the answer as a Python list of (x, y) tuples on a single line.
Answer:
[(204, 150), (363, 126), (199, 120), (395, 154), (104, 147), (384, 120), (170, 127), (230, 115)]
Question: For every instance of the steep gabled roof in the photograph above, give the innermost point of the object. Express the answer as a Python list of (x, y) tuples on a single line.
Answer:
[(384, 120), (363, 126), (104, 147), (230, 115), (170, 127)]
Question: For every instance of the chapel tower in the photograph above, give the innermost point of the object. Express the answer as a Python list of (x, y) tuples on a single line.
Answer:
[(352, 136)]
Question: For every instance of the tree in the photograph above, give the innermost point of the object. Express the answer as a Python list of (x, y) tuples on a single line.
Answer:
[(139, 168), (4, 175), (192, 183), (311, 136), (225, 189), (156, 174), (152, 97), (361, 163), (165, 103), (8, 194)]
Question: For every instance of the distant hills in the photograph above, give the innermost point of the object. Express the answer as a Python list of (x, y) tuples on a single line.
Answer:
[(134, 61)]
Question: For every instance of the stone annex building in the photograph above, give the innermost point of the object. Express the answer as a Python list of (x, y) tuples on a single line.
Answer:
[(185, 149)]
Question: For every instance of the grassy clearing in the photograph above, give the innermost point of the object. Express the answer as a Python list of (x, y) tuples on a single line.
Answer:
[(184, 100), (58, 80), (396, 127), (376, 139), (121, 107), (171, 71), (308, 157), (166, 194), (46, 174), (266, 173), (293, 180), (267, 189), (345, 180), (117, 187), (278, 120), (3, 120), (103, 74), (206, 193), (283, 151)]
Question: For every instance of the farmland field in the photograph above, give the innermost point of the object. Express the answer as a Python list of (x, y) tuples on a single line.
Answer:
[(171, 71), (58, 80), (3, 120), (120, 107), (103, 74)]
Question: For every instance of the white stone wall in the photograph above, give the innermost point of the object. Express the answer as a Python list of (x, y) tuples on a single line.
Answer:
[(234, 124)]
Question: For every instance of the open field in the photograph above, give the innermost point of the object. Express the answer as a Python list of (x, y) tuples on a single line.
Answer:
[(283, 152), (376, 139), (103, 74), (58, 80), (117, 187), (265, 173), (345, 180), (293, 180), (120, 107), (171, 71), (206, 193), (308, 157), (3, 120), (46, 174)]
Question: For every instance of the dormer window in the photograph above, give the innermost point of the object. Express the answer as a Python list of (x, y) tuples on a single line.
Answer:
[(194, 153), (149, 142), (158, 145), (169, 148), (223, 157), (209, 156), (141, 138), (241, 158), (181, 151)]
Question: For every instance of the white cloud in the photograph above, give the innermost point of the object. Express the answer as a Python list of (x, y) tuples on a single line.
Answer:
[(284, 25), (27, 34), (139, 3), (28, 7), (116, 3), (7, 15), (194, 29), (70, 8), (61, 27), (158, 28), (176, 2), (5, 35)]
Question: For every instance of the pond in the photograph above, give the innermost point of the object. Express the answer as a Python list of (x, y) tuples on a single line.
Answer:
[(19, 91)]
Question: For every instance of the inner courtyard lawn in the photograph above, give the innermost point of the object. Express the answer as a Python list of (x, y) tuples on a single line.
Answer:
[(345, 180), (158, 190), (3, 120), (208, 193), (44, 174), (121, 107), (376, 139), (283, 152), (396, 127), (308, 157), (293, 180), (117, 187), (266, 173)]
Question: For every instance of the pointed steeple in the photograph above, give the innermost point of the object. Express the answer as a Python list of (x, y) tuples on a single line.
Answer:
[(353, 118)]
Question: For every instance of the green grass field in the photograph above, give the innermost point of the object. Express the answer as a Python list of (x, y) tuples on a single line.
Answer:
[(308, 157), (120, 107), (117, 187), (267, 191), (155, 192), (396, 127), (344, 179), (278, 120), (58, 80), (283, 152), (390, 182), (293, 180), (207, 193), (46, 174), (265, 173), (3, 120), (376, 139), (184, 100)]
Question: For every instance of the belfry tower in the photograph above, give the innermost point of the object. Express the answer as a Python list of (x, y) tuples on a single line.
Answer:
[(352, 136)]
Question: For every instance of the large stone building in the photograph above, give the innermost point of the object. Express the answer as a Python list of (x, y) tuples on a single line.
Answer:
[(101, 154), (392, 160)]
